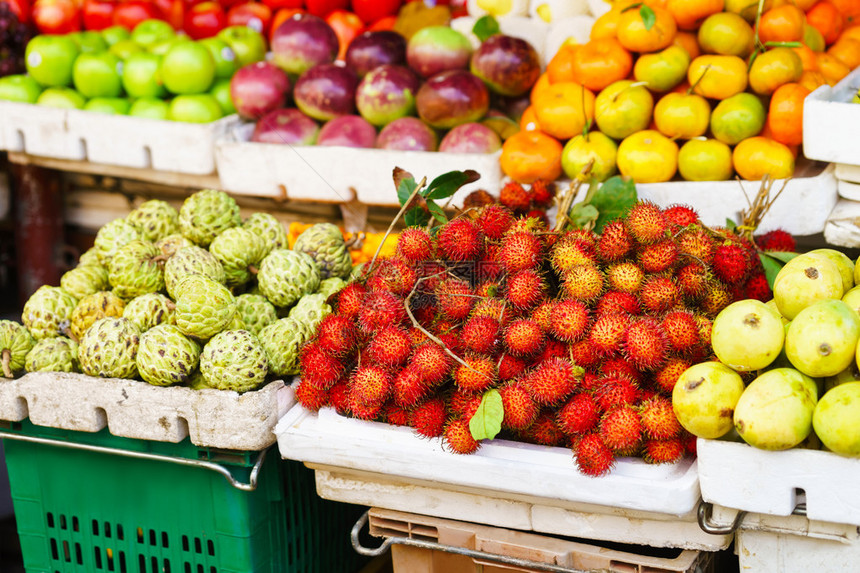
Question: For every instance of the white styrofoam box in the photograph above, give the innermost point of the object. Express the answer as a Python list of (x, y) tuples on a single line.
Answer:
[(802, 209), (523, 512), (598, 8), (532, 30), (38, 130), (739, 476), (791, 524), (144, 143), (505, 466), (846, 172), (337, 174), (763, 552), (848, 190), (558, 10), (576, 27), (843, 225), (831, 122), (134, 409), (480, 8)]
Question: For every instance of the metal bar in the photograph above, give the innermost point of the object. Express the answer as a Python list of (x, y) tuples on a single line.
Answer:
[(703, 516), (473, 553), (250, 486)]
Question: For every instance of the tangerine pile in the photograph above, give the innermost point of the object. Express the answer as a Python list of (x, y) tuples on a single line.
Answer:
[(703, 88)]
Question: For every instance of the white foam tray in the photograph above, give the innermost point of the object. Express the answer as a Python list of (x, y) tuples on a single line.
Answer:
[(761, 552), (336, 174), (802, 209), (134, 409), (515, 468), (843, 225), (110, 139), (831, 122), (738, 476)]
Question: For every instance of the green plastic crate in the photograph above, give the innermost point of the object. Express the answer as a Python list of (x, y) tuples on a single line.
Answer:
[(82, 511)]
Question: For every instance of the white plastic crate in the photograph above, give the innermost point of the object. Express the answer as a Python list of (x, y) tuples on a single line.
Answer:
[(38, 130), (134, 409), (763, 552), (842, 228), (738, 476), (336, 174), (849, 173), (831, 122)]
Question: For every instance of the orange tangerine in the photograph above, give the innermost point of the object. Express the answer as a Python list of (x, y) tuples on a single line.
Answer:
[(808, 59), (737, 118), (850, 10), (540, 86), (648, 157), (562, 109), (623, 108), (560, 67), (662, 70), (528, 121), (813, 39), (636, 37), (846, 51), (717, 77), (811, 80), (705, 160), (689, 14), (689, 42), (606, 26), (825, 18), (758, 156), (600, 63), (831, 68), (727, 34), (746, 9), (785, 116), (853, 32), (531, 155), (774, 68), (682, 116), (582, 149), (782, 24)]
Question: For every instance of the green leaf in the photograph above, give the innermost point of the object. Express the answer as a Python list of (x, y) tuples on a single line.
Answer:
[(783, 256), (437, 212), (614, 198), (405, 184), (448, 183), (583, 216), (771, 268), (487, 420), (416, 217), (485, 27), (730, 225), (649, 18)]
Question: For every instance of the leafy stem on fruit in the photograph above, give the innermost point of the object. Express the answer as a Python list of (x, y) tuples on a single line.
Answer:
[(403, 208), (758, 46), (6, 362), (569, 196), (699, 79), (760, 205)]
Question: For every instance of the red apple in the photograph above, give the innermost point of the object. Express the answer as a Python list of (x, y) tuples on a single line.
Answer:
[(452, 98), (130, 14), (386, 93), (98, 14), (172, 11), (347, 131), (259, 88), (407, 134), (252, 14), (372, 10), (286, 126), (56, 16), (437, 49), (302, 42), (276, 5), (204, 20), (509, 66), (326, 91), (322, 8), (471, 138), (372, 49)]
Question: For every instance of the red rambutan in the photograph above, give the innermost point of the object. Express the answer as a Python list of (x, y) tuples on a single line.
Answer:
[(658, 418), (681, 215), (757, 288), (380, 309), (458, 437), (390, 347), (477, 374), (572, 250), (350, 300), (361, 410), (579, 415), (455, 298), (311, 396), (583, 353), (525, 289), (583, 282), (611, 393), (618, 301), (698, 244), (666, 377), (690, 442), (415, 245), (551, 381), (776, 240), (494, 308), (544, 430), (569, 320), (409, 387), (621, 429), (731, 262), (543, 314), (663, 451), (452, 340), (519, 406), (494, 221), (510, 367), (464, 404), (338, 396), (336, 335), (524, 337), (428, 418), (716, 298), (607, 333), (370, 385), (615, 242), (393, 275), (460, 240), (646, 222), (538, 214), (593, 457), (693, 280), (625, 277), (479, 333), (431, 362), (681, 330), (515, 197), (658, 294), (319, 368), (659, 256), (542, 192), (395, 415), (645, 344), (553, 349), (620, 367), (519, 252)]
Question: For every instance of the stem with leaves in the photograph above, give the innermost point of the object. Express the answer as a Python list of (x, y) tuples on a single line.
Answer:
[(563, 216), (396, 218)]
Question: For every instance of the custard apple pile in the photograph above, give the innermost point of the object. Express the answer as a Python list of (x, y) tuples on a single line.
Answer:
[(195, 297)]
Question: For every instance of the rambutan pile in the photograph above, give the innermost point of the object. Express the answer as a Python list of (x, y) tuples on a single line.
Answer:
[(581, 334)]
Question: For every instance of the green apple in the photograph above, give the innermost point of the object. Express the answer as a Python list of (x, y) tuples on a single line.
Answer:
[(141, 76), (109, 105), (89, 42), (115, 34), (248, 44), (66, 98), (194, 108), (19, 88), (50, 59), (221, 92), (124, 48), (149, 107), (188, 68), (160, 48), (224, 56), (151, 31), (97, 75)]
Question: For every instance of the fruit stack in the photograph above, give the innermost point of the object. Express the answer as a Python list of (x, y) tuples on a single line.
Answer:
[(701, 89), (573, 338), (799, 355), (196, 297)]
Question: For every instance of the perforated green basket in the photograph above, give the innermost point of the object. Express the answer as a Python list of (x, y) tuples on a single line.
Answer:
[(166, 510)]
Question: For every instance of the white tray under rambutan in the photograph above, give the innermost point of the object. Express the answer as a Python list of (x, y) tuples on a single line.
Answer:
[(517, 468)]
